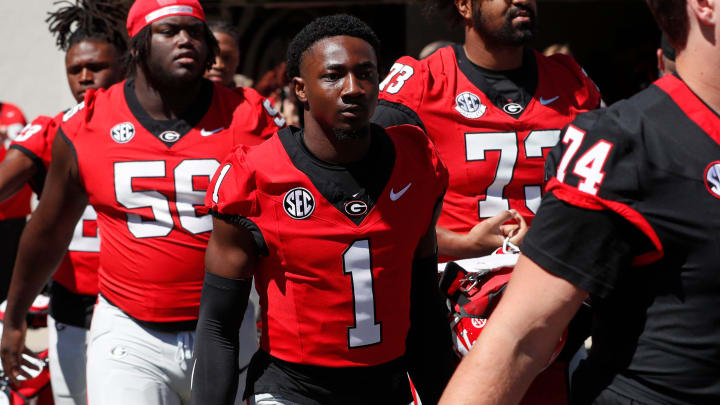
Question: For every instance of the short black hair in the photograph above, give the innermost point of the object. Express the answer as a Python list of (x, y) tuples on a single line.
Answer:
[(225, 28), (101, 20), (140, 48), (325, 27), (446, 8)]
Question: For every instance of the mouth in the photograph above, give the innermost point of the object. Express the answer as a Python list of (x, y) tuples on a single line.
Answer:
[(354, 111), (522, 15), (186, 58)]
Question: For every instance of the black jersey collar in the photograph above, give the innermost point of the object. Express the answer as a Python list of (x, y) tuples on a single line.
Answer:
[(181, 126), (363, 181), (525, 77)]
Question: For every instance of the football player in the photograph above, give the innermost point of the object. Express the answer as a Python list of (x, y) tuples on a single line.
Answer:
[(13, 211), (228, 58), (91, 34), (493, 108), (631, 218), (336, 222), (142, 153)]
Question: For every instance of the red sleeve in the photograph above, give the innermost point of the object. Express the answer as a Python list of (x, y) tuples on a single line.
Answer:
[(255, 120), (588, 97), (232, 190), (406, 83), (35, 140)]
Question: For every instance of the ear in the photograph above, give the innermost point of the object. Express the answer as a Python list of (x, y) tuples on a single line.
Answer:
[(464, 7), (704, 11), (660, 61), (299, 85)]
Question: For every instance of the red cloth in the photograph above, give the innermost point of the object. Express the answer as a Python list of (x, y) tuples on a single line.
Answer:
[(145, 12)]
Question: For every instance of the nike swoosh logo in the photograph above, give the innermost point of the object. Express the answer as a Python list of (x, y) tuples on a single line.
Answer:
[(546, 101), (204, 132), (395, 196)]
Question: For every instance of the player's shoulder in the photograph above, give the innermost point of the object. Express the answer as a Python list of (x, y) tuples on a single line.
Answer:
[(409, 78), (102, 101), (564, 69), (42, 124)]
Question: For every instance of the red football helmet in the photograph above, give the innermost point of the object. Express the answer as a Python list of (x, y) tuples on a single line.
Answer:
[(473, 288)]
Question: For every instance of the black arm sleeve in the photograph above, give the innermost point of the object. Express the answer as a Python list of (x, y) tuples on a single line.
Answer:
[(430, 357), (215, 369), (389, 114)]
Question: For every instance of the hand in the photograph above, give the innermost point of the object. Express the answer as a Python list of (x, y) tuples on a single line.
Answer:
[(11, 352), (490, 234)]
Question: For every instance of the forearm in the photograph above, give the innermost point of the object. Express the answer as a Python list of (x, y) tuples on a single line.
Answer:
[(459, 245), (15, 171), (215, 370)]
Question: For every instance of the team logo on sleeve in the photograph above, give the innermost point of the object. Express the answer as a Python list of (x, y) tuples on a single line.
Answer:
[(169, 136), (123, 132), (299, 203), (469, 105), (712, 178)]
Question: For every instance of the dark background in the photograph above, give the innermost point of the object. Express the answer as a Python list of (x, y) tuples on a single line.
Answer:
[(614, 40)]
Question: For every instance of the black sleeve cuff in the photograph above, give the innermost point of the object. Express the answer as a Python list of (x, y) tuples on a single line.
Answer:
[(388, 114), (247, 224), (38, 180)]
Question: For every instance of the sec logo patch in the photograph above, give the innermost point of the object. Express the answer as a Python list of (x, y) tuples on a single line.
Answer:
[(123, 132), (712, 178), (469, 105), (298, 203)]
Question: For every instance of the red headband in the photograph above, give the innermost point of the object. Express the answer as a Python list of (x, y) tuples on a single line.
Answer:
[(145, 12)]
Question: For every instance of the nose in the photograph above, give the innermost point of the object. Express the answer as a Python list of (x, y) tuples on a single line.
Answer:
[(183, 37), (86, 76), (353, 86)]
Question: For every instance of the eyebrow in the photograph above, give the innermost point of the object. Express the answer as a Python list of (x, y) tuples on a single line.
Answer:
[(367, 64)]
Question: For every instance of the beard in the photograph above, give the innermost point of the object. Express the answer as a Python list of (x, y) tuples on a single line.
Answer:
[(347, 134), (508, 34)]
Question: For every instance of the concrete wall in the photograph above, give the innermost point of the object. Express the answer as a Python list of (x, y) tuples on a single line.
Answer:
[(32, 71)]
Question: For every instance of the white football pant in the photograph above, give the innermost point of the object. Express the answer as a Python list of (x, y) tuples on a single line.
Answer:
[(66, 353)]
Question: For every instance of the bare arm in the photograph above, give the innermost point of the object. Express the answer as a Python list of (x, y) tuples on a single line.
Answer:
[(517, 340), (15, 171), (42, 246), (230, 260), (483, 238)]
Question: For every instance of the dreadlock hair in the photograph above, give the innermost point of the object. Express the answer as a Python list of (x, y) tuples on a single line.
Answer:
[(102, 20), (140, 49), (325, 27)]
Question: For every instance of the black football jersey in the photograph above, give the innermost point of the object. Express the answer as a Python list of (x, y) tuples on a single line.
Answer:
[(633, 217)]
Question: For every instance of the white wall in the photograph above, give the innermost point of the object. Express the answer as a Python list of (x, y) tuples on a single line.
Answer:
[(32, 69)]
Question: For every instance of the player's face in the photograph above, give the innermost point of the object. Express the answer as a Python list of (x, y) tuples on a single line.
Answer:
[(226, 61), (340, 78), (178, 50), (92, 65), (506, 22)]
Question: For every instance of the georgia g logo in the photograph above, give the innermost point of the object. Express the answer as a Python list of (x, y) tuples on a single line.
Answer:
[(298, 203), (469, 105), (712, 178), (356, 207)]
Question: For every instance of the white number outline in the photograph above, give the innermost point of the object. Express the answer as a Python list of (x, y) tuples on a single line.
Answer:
[(589, 167), (573, 138), (405, 72), (357, 262), (476, 146), (80, 242), (163, 222)]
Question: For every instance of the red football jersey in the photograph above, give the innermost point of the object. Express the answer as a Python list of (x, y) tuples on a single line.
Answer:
[(17, 206), (332, 293), (147, 179), (496, 161), (78, 269)]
